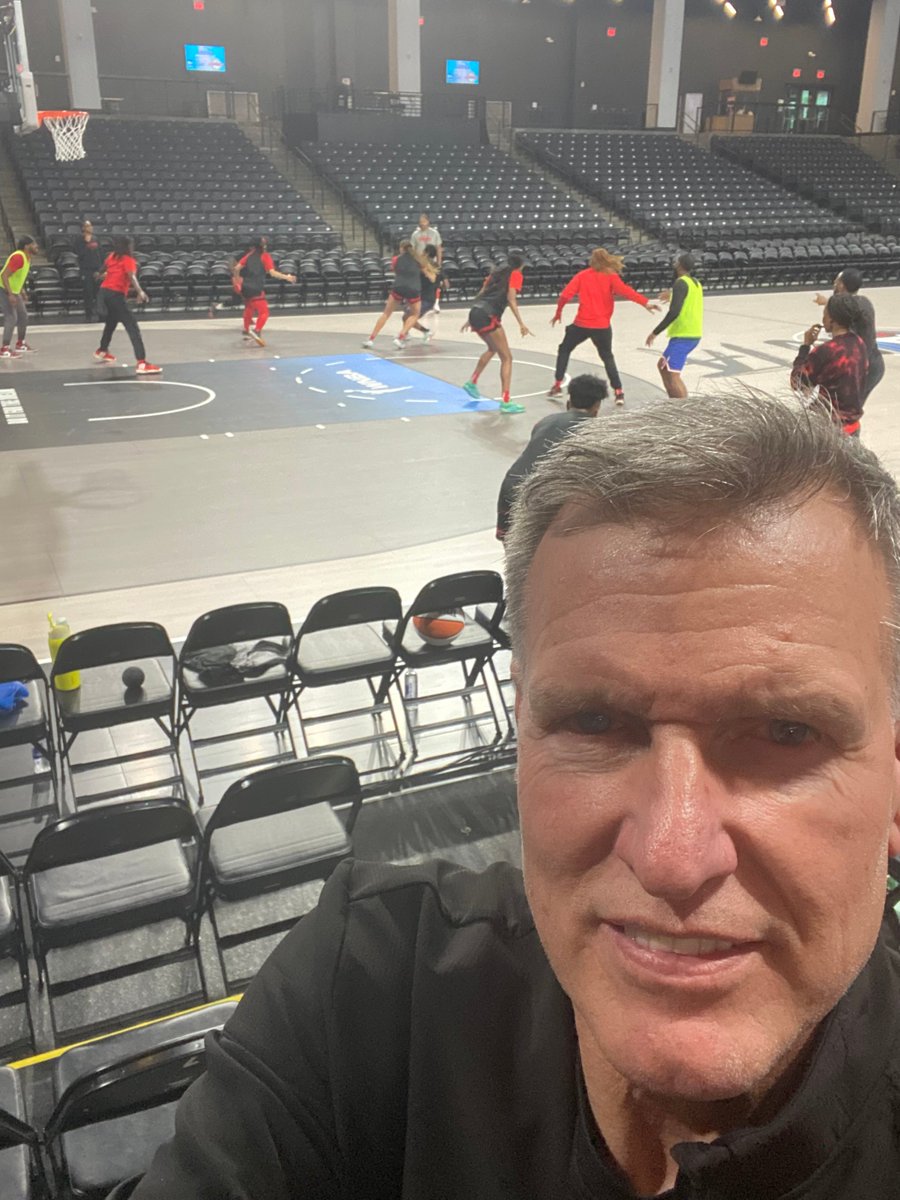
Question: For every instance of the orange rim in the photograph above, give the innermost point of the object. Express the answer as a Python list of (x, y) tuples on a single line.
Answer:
[(60, 112)]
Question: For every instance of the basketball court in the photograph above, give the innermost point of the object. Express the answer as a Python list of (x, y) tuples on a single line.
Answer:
[(242, 460)]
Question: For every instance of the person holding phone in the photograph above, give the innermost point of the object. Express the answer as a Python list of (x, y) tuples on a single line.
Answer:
[(836, 369)]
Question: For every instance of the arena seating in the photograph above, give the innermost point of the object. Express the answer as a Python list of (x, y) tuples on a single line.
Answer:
[(675, 190), (827, 170), (172, 184), (472, 193)]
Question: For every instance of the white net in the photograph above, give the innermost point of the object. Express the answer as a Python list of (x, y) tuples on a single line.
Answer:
[(67, 129)]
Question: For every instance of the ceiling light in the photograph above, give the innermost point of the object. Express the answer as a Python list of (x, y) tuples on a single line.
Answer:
[(830, 17), (729, 10), (777, 11)]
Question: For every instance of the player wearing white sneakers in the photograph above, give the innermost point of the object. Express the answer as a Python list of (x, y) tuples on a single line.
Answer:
[(15, 314), (405, 294), (432, 290), (119, 276)]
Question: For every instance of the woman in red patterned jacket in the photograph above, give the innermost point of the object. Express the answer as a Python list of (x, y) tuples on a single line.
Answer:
[(838, 367)]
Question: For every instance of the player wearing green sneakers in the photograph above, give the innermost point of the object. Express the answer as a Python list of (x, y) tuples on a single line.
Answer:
[(499, 290)]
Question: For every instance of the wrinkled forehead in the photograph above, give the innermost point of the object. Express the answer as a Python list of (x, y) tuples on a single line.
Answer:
[(813, 556)]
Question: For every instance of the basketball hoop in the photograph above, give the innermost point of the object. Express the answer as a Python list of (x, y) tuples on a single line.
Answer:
[(67, 128)]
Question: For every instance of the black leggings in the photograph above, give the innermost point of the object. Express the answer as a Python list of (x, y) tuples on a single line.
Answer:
[(602, 339), (118, 312)]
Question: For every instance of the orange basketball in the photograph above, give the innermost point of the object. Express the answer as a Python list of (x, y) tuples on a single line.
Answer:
[(438, 629)]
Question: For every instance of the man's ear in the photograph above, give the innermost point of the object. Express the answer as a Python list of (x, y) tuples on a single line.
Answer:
[(894, 835)]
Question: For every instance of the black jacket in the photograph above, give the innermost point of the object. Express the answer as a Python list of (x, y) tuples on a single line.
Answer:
[(408, 1041)]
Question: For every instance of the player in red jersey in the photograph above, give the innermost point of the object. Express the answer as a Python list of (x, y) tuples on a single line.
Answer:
[(118, 278), (596, 289), (249, 278)]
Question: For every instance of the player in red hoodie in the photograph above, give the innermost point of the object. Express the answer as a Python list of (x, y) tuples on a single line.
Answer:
[(596, 289)]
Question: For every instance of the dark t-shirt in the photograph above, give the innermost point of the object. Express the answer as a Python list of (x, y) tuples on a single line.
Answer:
[(430, 289), (407, 276), (90, 257), (254, 269), (544, 436), (495, 294), (868, 331), (409, 1041), (838, 369)]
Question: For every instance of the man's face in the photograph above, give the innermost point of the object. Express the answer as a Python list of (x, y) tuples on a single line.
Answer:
[(87, 229), (706, 755), (423, 222), (31, 248)]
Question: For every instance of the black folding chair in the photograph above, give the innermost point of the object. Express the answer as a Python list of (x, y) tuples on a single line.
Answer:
[(104, 702), (13, 947), (20, 1159), (236, 655), (273, 830), (466, 593), (116, 1100), (344, 640), (29, 727), (112, 869)]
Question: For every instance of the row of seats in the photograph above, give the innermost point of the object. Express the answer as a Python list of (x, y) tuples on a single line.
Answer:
[(470, 192), (160, 179), (675, 190), (827, 170), (114, 1103)]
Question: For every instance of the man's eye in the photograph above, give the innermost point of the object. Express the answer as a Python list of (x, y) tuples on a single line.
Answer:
[(790, 733), (592, 723)]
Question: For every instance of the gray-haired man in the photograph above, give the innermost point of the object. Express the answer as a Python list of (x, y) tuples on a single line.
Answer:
[(694, 994)]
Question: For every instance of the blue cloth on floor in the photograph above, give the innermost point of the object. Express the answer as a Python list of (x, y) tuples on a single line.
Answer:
[(12, 695)]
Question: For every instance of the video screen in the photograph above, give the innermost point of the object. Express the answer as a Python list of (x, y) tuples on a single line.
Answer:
[(463, 70), (204, 58)]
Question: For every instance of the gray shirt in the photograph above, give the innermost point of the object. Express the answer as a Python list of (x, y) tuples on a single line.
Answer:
[(421, 238)]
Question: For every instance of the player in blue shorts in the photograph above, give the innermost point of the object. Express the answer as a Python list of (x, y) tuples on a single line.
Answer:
[(684, 321)]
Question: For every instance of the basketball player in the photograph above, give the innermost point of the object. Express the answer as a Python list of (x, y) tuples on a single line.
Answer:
[(425, 235), (848, 283), (15, 314), (405, 294), (684, 321), (596, 289), (498, 291), (249, 278), (432, 290), (118, 278)]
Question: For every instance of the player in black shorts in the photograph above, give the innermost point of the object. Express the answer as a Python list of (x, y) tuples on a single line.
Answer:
[(432, 290), (498, 291), (405, 293)]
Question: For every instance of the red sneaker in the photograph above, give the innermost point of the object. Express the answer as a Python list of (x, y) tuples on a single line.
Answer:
[(104, 356), (620, 397), (24, 348), (146, 368), (5, 352), (555, 392)]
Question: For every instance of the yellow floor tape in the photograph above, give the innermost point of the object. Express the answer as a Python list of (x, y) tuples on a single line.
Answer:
[(51, 1054)]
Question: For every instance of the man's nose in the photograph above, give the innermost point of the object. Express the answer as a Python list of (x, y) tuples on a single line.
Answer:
[(674, 835)]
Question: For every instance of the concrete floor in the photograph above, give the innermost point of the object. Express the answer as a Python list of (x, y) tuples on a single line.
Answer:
[(239, 499)]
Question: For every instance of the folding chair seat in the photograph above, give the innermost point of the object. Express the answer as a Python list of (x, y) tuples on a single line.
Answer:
[(109, 870), (272, 830), (20, 1160), (103, 702), (116, 1099), (473, 649), (345, 639), (231, 656)]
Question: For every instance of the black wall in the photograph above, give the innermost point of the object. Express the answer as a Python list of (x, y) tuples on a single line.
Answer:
[(309, 44)]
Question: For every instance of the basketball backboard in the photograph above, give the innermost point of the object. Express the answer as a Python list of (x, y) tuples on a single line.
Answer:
[(22, 80)]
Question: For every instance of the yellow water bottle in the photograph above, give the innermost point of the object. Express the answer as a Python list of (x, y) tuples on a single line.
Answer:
[(59, 631)]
